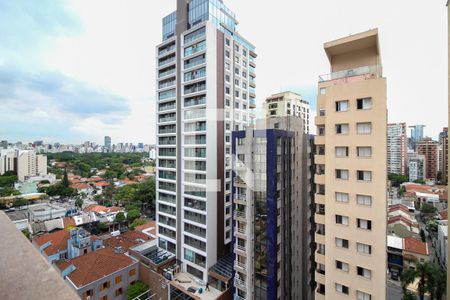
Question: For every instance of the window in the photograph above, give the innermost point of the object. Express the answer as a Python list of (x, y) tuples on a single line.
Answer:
[(322, 91), (244, 85), (236, 81), (341, 288), (227, 66), (227, 54), (342, 105), (363, 296), (236, 71), (244, 52), (227, 90), (364, 248), (341, 243), (244, 74), (132, 272), (364, 224), (342, 128), (104, 297), (88, 293), (343, 220), (364, 151), (342, 197), (236, 94), (366, 273), (341, 151), (364, 175), (104, 285), (118, 279), (364, 199), (321, 130), (227, 78), (342, 266), (364, 103), (119, 292), (364, 128), (342, 174), (227, 42)]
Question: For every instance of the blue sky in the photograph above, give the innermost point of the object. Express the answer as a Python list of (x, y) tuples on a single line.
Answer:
[(76, 70)]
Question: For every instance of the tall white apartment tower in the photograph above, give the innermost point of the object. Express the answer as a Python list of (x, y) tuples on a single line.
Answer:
[(397, 148), (205, 90)]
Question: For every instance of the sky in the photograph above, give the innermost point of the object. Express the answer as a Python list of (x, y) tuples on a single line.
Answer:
[(77, 70)]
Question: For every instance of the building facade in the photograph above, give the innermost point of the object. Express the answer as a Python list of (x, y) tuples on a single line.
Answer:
[(351, 172), (416, 135), (428, 148), (416, 166), (271, 203), (397, 148), (205, 90), (108, 143), (26, 163), (443, 142), (288, 104)]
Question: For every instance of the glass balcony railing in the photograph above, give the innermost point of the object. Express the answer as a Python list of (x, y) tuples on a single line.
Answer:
[(195, 48), (164, 163), (166, 61), (167, 106), (167, 129), (167, 175), (166, 49), (195, 35), (167, 72), (195, 101), (167, 119), (365, 72), (169, 233), (194, 243), (166, 84), (252, 70), (167, 94), (167, 198)]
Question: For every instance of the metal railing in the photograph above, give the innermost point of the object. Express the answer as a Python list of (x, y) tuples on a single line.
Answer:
[(374, 70)]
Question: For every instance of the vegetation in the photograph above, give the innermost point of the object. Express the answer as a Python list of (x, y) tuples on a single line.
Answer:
[(26, 233), (136, 223), (428, 208), (137, 289), (431, 279), (432, 226), (8, 179), (58, 190), (120, 217), (397, 179), (419, 181), (401, 191), (20, 202), (65, 181), (137, 194), (79, 202), (8, 191)]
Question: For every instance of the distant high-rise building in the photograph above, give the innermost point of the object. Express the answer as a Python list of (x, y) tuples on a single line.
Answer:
[(443, 142), (416, 135), (428, 148), (26, 163), (397, 148), (108, 143), (4, 144), (351, 176), (416, 166), (205, 90), (141, 145), (288, 104), (271, 203)]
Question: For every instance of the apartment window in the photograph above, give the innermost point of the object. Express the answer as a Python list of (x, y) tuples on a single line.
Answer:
[(342, 105), (227, 42), (244, 96), (227, 54), (341, 151), (236, 104), (236, 47), (118, 279), (244, 63), (364, 128), (236, 71), (342, 266), (227, 90), (363, 296), (364, 224), (244, 74), (364, 175), (119, 292), (88, 293), (227, 78), (364, 200), (343, 220), (342, 174), (321, 269), (240, 141), (236, 94), (364, 103), (366, 273), (342, 128), (104, 285), (341, 288), (321, 249), (364, 248), (341, 243), (132, 272), (227, 102), (364, 151), (321, 130), (342, 197), (320, 149), (244, 85), (322, 91), (244, 52), (227, 66), (322, 112)]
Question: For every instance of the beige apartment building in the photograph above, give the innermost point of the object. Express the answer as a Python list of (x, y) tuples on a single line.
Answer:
[(351, 172)]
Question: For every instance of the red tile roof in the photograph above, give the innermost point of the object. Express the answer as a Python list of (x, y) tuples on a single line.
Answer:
[(58, 241), (444, 214), (127, 240), (95, 265), (415, 246), (151, 224), (68, 222), (401, 207), (400, 218), (102, 209), (94, 179), (80, 186), (102, 183)]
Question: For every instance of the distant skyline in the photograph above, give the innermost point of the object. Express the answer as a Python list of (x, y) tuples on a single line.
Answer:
[(77, 70)]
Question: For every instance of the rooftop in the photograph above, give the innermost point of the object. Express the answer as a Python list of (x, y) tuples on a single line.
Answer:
[(148, 228), (95, 265), (17, 215), (415, 246), (127, 239), (57, 239), (185, 281)]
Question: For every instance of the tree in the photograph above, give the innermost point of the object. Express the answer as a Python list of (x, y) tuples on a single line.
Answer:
[(432, 225), (441, 284), (397, 179), (79, 202), (133, 215), (125, 195), (120, 217), (136, 223), (428, 208), (407, 277), (20, 202), (423, 270), (65, 181), (8, 191), (136, 289)]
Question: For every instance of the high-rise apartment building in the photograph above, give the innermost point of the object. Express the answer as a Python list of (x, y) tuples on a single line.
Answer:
[(108, 143), (416, 166), (205, 90), (416, 135), (288, 104), (443, 142), (428, 148), (271, 203), (351, 172), (397, 148)]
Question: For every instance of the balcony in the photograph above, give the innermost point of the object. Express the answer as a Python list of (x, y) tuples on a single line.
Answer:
[(240, 284), (319, 178), (319, 120), (241, 199), (167, 49), (240, 215), (319, 218), (353, 75), (240, 266), (252, 102), (241, 232), (166, 61), (241, 250)]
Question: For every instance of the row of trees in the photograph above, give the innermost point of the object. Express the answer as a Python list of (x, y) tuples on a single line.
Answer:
[(432, 280), (7, 184)]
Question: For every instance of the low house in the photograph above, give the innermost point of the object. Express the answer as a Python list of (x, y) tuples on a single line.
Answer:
[(414, 251), (148, 228), (127, 240), (46, 211), (395, 253), (103, 274), (104, 214), (53, 246), (19, 218), (401, 221)]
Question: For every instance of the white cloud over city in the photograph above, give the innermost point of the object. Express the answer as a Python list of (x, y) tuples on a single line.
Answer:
[(77, 70)]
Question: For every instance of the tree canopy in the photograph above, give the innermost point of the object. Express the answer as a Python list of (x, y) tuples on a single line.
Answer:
[(137, 289)]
